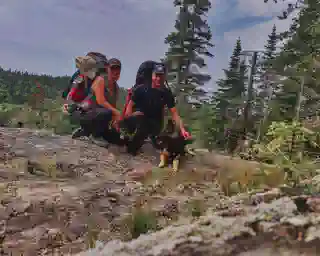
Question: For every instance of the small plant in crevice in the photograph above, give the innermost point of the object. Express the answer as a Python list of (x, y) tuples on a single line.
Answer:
[(49, 166), (92, 235), (233, 181), (312, 186), (142, 222), (196, 207)]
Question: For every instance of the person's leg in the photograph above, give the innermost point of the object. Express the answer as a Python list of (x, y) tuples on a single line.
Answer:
[(155, 128), (78, 117), (95, 122), (101, 121), (100, 125), (140, 126), (114, 137)]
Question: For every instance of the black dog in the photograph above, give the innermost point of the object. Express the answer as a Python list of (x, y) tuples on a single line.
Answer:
[(172, 145)]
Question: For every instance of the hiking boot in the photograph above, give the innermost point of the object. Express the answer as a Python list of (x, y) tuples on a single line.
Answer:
[(79, 132), (99, 141)]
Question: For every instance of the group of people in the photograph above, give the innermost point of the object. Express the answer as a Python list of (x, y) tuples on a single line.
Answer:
[(92, 96)]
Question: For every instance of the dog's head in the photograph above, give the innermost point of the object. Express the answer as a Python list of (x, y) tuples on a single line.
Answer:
[(162, 140)]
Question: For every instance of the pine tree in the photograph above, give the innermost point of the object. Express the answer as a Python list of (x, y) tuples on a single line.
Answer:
[(208, 132), (228, 101), (231, 89), (266, 85), (271, 46), (299, 92), (187, 46)]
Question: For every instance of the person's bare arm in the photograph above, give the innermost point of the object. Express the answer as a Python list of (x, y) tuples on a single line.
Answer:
[(170, 102), (98, 87), (177, 119), (129, 108)]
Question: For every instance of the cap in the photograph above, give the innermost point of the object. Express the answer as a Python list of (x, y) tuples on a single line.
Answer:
[(114, 62), (159, 69)]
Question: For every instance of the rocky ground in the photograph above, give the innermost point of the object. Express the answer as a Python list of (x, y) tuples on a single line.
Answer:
[(59, 196), (277, 228)]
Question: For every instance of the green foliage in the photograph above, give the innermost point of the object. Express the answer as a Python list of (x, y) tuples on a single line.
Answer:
[(285, 146), (286, 87), (228, 100), (197, 208), (142, 222), (18, 87), (207, 127), (36, 101), (266, 87), (6, 113), (232, 89)]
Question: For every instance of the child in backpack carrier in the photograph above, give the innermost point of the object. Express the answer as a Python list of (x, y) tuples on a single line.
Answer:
[(172, 145), (80, 85)]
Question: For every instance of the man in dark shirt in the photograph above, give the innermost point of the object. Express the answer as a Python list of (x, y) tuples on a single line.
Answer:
[(149, 103)]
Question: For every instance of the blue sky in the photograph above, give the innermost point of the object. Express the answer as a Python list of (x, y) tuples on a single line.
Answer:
[(44, 36)]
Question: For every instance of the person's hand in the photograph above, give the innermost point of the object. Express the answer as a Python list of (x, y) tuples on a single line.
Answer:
[(137, 113), (185, 134), (115, 124), (116, 118), (116, 115)]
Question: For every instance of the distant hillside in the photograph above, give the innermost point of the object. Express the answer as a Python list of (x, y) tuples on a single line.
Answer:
[(18, 87), (36, 101)]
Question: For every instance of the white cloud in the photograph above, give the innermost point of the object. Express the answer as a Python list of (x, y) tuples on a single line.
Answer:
[(151, 4), (254, 38), (259, 8)]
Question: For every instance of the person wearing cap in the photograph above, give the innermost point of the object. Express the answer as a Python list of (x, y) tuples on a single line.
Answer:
[(105, 87), (149, 102), (104, 90), (99, 108)]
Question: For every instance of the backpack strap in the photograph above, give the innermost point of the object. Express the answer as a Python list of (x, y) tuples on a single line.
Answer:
[(74, 76), (66, 91), (116, 90), (88, 97)]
